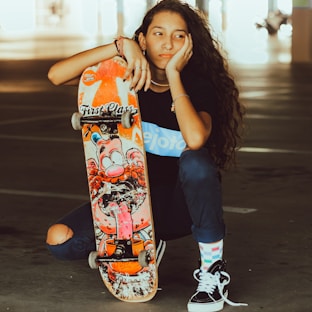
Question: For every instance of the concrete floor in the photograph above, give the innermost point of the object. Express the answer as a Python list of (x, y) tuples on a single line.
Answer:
[(268, 244)]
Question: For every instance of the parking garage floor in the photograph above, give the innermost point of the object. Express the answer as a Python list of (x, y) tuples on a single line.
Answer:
[(267, 198)]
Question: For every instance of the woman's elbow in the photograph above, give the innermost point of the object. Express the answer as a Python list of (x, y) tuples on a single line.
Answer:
[(196, 142), (53, 77)]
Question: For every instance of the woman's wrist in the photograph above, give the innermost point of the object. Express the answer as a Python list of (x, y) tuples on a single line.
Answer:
[(119, 45), (179, 96), (172, 75), (175, 83)]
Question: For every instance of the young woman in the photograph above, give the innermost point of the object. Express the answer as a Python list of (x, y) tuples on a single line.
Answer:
[(184, 87)]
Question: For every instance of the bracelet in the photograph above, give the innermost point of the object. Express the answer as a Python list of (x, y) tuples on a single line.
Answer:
[(175, 99), (119, 45)]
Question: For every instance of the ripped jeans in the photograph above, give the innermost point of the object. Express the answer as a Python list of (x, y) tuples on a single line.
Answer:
[(192, 205)]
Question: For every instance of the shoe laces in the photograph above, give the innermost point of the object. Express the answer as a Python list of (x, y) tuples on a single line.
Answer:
[(208, 282), (160, 251)]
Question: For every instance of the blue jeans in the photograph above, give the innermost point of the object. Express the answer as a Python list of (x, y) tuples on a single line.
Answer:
[(192, 205), (201, 185)]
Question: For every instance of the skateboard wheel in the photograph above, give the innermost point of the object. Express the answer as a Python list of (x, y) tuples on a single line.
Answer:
[(143, 258), (126, 119), (92, 260), (75, 121)]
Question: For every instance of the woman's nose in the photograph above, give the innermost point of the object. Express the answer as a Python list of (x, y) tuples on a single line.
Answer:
[(167, 44)]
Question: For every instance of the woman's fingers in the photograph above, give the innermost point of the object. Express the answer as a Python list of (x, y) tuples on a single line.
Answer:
[(188, 46), (137, 68), (148, 79), (181, 58), (140, 72)]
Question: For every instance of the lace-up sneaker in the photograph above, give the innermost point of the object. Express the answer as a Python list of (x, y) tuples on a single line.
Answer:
[(212, 290)]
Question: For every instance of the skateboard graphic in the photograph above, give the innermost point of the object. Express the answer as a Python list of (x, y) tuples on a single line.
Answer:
[(109, 117)]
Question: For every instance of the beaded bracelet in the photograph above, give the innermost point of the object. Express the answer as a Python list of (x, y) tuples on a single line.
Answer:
[(119, 45), (175, 99)]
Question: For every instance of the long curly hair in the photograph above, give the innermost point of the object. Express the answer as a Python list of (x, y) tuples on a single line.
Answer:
[(208, 62)]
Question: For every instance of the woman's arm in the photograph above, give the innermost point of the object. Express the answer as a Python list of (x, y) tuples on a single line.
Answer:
[(195, 126), (69, 70)]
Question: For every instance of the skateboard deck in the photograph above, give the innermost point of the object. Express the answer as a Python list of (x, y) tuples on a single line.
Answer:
[(109, 116)]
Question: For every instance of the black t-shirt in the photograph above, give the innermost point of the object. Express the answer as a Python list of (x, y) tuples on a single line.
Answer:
[(161, 129)]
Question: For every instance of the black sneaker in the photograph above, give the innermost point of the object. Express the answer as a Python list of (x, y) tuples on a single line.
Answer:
[(212, 290)]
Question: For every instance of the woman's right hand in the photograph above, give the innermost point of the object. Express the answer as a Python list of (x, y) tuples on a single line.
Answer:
[(137, 65), (68, 71)]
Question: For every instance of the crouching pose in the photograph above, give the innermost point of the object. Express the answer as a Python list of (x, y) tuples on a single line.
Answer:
[(187, 97)]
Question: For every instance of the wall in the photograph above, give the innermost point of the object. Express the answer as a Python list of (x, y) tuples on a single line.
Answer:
[(302, 31)]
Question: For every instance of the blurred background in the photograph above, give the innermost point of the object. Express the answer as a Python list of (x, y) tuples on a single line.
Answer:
[(267, 198), (248, 29)]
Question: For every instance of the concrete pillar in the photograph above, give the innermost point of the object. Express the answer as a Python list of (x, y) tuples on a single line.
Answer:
[(272, 5), (224, 15), (203, 5), (120, 17), (302, 31)]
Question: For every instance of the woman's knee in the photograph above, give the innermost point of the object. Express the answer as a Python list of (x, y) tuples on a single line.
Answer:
[(198, 166), (59, 234)]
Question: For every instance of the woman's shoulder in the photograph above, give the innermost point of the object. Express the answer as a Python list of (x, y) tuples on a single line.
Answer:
[(201, 92), (197, 83)]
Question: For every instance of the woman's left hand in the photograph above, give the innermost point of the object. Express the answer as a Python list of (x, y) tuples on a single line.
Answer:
[(182, 57), (138, 66)]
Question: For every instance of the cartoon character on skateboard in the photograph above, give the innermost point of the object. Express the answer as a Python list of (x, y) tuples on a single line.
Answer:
[(118, 182)]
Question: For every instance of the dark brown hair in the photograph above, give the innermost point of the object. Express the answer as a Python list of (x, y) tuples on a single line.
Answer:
[(208, 62)]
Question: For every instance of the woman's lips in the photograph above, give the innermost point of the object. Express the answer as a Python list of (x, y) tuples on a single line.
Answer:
[(166, 55)]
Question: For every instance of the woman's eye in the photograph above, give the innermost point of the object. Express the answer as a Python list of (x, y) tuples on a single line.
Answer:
[(180, 36)]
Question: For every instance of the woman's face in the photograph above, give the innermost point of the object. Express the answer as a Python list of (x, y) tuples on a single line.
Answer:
[(165, 36)]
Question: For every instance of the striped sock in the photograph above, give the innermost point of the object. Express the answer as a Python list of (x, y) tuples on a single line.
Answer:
[(210, 253)]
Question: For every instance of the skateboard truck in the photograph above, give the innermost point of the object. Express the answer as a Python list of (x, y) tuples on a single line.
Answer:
[(77, 120), (122, 253)]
